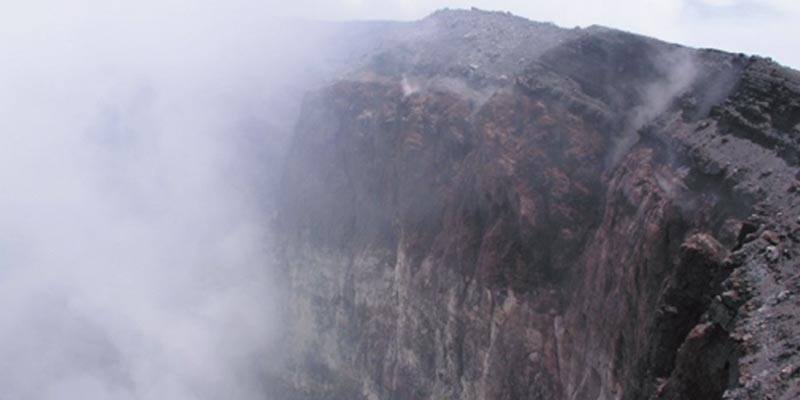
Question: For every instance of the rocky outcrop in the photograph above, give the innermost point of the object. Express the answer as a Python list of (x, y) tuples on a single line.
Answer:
[(565, 220)]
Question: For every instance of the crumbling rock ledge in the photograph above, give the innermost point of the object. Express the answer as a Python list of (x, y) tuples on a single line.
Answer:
[(499, 209)]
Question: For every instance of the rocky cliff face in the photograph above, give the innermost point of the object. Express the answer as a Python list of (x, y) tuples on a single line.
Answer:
[(491, 208)]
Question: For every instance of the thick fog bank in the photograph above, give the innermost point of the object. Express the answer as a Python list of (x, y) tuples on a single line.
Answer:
[(137, 148)]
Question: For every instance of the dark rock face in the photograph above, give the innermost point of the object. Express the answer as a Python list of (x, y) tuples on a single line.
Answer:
[(499, 209)]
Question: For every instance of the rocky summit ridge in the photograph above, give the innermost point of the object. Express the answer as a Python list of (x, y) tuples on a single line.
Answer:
[(485, 207)]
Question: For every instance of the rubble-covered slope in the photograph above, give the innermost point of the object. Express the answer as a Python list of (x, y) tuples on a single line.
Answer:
[(500, 209)]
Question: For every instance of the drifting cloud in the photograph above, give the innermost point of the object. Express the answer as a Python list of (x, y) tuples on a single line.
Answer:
[(132, 247)]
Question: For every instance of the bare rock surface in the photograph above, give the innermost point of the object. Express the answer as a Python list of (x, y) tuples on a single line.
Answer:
[(484, 207)]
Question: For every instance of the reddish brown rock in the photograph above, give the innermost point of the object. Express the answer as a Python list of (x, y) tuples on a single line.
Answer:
[(558, 234)]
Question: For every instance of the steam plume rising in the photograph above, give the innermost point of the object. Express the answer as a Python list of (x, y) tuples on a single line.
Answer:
[(132, 257)]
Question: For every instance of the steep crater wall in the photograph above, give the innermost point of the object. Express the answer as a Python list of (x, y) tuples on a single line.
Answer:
[(569, 236)]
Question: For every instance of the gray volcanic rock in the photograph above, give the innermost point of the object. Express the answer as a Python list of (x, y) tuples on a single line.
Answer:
[(485, 207)]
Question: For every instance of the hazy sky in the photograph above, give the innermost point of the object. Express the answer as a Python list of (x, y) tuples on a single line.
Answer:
[(764, 27)]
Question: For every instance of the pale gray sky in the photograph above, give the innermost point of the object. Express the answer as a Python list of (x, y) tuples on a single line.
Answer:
[(764, 27)]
